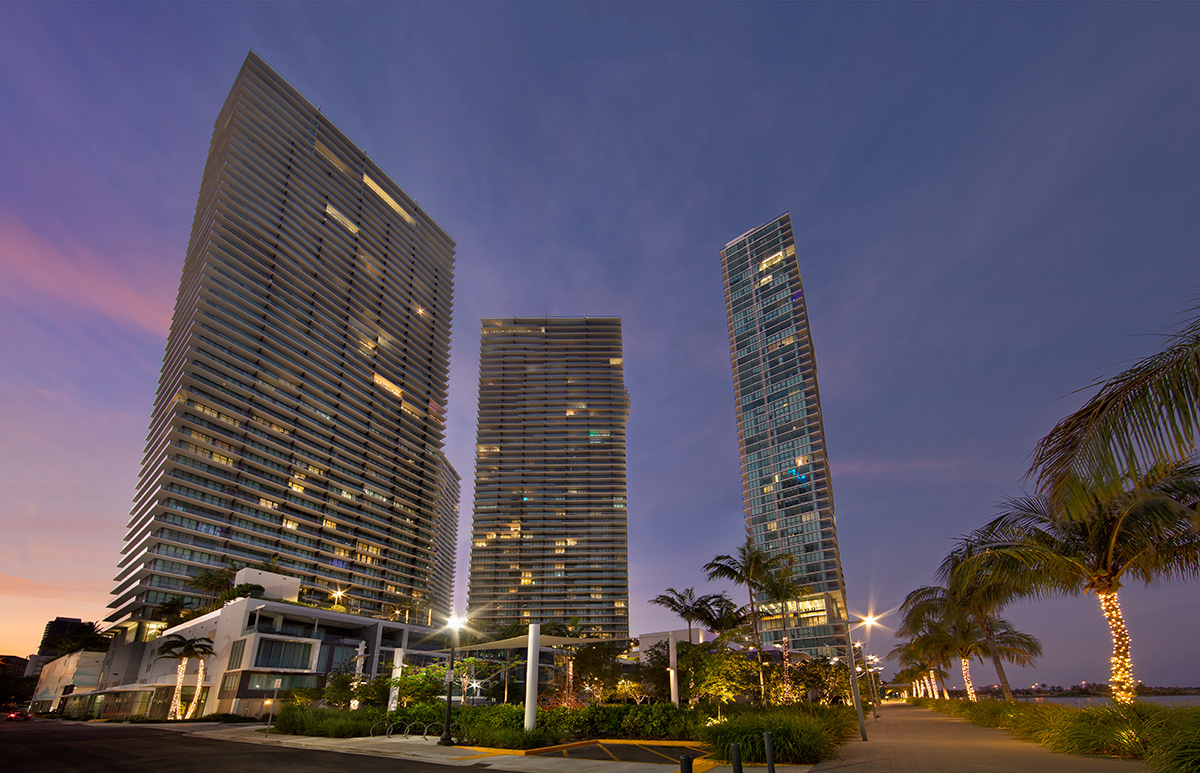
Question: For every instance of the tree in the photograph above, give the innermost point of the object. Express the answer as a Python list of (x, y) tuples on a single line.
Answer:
[(720, 674), (81, 636), (780, 587), (748, 566), (686, 604), (968, 608), (1145, 532), (828, 681), (1143, 416), (181, 649), (721, 614), (213, 582), (172, 610), (939, 631)]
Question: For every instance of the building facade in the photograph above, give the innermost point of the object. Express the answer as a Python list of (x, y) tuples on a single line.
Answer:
[(549, 540), (447, 542), (298, 415), (785, 471), (256, 643)]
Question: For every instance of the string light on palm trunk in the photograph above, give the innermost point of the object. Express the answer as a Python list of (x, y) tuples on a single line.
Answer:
[(1121, 662)]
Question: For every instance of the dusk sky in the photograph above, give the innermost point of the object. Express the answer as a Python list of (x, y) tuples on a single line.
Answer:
[(994, 205)]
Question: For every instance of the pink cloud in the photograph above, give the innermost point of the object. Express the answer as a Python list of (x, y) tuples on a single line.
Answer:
[(71, 273)]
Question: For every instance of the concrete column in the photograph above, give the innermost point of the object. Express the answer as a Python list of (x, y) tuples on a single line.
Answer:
[(674, 668), (531, 675), (397, 670)]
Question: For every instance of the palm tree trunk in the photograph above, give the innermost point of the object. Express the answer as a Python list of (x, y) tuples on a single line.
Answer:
[(985, 623), (199, 684), (1123, 687), (762, 682), (176, 699), (966, 672)]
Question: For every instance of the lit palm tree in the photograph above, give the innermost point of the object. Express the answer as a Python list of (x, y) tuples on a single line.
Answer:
[(1144, 415), (940, 631), (979, 595), (749, 566), (780, 587), (181, 649), (1145, 532)]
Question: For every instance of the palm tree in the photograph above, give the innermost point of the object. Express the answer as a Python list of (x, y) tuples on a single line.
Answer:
[(81, 636), (1142, 416), (1145, 532), (686, 604), (172, 610), (180, 648), (749, 566), (979, 595), (938, 630), (213, 582), (779, 587), (720, 614)]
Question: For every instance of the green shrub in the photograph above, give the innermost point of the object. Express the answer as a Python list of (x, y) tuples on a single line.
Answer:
[(1173, 741), (798, 736), (508, 737), (329, 723)]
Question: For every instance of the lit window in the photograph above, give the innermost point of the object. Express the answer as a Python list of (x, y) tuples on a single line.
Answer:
[(330, 157), (268, 503), (389, 386), (288, 523), (338, 216), (381, 193), (329, 524)]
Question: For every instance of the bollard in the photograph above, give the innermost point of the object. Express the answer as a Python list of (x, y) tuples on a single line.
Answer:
[(735, 757), (770, 752), (685, 764)]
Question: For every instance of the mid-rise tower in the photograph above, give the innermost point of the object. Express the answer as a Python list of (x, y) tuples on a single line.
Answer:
[(781, 435), (549, 541), (298, 418)]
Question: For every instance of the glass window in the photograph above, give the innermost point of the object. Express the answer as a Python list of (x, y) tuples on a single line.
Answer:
[(273, 653), (235, 655)]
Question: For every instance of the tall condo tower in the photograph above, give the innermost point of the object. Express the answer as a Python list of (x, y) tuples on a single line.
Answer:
[(549, 541), (785, 471), (299, 411)]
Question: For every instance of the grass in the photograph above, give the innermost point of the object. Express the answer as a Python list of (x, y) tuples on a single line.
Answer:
[(1167, 738)]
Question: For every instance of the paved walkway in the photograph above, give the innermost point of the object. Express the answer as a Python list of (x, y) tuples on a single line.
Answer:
[(907, 739), (904, 739)]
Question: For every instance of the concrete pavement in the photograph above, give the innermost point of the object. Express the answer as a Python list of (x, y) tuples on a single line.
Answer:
[(908, 739), (904, 739)]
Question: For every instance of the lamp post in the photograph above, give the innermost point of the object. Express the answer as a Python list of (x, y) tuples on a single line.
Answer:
[(452, 625)]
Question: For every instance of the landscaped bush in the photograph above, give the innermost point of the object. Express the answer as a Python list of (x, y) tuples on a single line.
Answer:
[(1167, 738), (799, 735), (508, 737), (226, 718), (329, 723)]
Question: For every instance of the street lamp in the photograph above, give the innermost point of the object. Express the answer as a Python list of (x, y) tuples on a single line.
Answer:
[(452, 625)]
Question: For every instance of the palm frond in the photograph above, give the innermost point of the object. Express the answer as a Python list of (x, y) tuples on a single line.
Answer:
[(1146, 413)]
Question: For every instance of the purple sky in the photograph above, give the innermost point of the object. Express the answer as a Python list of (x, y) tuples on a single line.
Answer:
[(992, 205)]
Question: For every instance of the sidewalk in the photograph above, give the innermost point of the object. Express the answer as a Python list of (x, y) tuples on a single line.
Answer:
[(907, 739), (427, 750)]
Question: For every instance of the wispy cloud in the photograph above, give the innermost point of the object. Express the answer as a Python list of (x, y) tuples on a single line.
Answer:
[(72, 274)]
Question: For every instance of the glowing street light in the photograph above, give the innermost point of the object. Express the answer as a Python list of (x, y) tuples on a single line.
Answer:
[(452, 625)]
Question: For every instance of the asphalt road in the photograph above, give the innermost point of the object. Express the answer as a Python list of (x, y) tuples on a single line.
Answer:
[(49, 747)]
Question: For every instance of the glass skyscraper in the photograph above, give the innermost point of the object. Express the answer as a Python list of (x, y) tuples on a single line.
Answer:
[(785, 471), (298, 419), (549, 541)]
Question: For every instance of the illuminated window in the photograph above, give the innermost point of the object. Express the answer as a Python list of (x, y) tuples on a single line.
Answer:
[(382, 194), (268, 503), (294, 486), (389, 386), (346, 222), (329, 524), (330, 157), (343, 552), (288, 523)]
